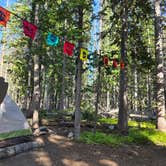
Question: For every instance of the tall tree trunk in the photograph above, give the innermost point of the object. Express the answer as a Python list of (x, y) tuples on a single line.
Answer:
[(46, 94), (149, 103), (164, 55), (98, 86), (123, 107), (62, 93), (108, 99), (98, 92), (160, 101), (36, 92), (135, 88), (77, 121)]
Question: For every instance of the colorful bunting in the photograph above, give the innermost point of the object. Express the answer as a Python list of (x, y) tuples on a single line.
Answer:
[(68, 48), (105, 60), (29, 29), (83, 54), (122, 65), (4, 16), (115, 63), (52, 39)]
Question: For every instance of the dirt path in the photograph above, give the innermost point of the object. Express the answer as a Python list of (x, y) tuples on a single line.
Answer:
[(60, 151)]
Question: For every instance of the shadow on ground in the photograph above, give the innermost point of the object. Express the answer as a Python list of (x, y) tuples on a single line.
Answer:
[(60, 151)]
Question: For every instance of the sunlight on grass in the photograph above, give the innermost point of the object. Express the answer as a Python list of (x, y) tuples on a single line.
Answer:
[(102, 138), (139, 133), (14, 134), (148, 135), (131, 123), (136, 136), (108, 120)]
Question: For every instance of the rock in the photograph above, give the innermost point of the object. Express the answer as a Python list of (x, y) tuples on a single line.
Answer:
[(43, 128), (51, 131), (43, 132), (70, 135), (111, 127), (36, 132)]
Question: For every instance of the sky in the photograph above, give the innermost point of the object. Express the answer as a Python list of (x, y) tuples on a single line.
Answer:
[(94, 38), (3, 3)]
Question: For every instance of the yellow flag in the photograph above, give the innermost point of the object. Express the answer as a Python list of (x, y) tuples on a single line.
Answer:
[(84, 54)]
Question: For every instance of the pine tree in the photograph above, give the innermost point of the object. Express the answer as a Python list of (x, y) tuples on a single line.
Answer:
[(160, 100)]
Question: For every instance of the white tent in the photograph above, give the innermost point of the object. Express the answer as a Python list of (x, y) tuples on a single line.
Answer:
[(11, 118)]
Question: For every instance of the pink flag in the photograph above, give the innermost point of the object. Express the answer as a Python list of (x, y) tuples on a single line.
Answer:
[(29, 29), (68, 48)]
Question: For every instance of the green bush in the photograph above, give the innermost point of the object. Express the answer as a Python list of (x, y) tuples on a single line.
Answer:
[(42, 114), (89, 116)]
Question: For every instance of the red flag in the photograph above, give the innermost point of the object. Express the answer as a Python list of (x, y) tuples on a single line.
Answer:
[(4, 16), (115, 63), (68, 48), (29, 29), (122, 65), (105, 60)]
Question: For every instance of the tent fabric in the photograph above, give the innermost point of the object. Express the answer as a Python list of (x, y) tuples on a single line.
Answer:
[(11, 118)]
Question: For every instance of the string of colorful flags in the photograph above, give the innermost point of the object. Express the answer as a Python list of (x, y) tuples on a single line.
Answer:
[(30, 30)]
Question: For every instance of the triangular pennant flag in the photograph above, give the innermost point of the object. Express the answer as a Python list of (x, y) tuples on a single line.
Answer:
[(68, 48), (115, 63), (29, 29), (4, 16), (52, 39), (122, 65), (83, 54), (105, 60)]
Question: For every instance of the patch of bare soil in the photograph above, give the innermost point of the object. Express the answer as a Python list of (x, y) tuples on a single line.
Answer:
[(61, 151)]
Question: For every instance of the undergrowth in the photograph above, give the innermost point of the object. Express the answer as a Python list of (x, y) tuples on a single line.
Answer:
[(139, 133)]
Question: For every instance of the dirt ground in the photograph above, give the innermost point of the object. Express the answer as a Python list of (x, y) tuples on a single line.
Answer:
[(61, 151)]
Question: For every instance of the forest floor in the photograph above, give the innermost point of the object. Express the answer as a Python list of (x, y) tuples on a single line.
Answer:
[(61, 151)]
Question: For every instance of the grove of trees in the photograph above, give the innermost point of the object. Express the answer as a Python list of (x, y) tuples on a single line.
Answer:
[(41, 77)]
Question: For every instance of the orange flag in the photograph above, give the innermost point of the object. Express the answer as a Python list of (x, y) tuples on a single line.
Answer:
[(122, 65), (4, 16), (105, 60)]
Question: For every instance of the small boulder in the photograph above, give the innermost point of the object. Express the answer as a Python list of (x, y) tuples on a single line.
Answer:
[(70, 135)]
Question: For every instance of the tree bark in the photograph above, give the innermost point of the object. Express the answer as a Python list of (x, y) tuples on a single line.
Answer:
[(160, 100), (77, 121), (62, 93), (36, 92), (98, 92), (123, 106)]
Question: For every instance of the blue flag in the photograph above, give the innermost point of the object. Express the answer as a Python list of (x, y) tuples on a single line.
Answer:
[(52, 39)]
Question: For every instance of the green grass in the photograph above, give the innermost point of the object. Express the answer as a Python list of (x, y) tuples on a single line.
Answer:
[(102, 138), (136, 136), (131, 123), (142, 136), (139, 133), (108, 120), (14, 134)]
